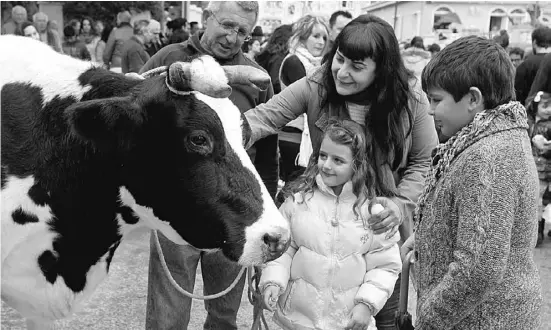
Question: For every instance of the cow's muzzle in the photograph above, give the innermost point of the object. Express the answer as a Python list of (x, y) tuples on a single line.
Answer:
[(275, 246)]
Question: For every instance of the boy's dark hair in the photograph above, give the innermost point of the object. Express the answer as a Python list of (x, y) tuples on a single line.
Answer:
[(176, 24), (542, 36), (69, 31), (472, 62), (518, 51), (336, 14)]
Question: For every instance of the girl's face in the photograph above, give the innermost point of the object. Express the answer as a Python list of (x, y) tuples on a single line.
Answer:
[(98, 27), (352, 77), (86, 27), (315, 44), (255, 47), (335, 164), (544, 108), (30, 31)]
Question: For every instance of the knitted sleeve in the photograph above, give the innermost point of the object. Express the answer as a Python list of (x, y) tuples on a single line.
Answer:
[(486, 198)]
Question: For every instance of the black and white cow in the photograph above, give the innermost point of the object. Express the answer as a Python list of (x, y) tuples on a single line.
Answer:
[(89, 155)]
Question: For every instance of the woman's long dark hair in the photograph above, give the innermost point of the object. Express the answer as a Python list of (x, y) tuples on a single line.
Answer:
[(369, 36)]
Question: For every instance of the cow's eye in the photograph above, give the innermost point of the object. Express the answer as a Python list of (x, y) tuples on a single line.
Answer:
[(200, 142)]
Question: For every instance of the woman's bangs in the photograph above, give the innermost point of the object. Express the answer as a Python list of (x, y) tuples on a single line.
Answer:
[(356, 45)]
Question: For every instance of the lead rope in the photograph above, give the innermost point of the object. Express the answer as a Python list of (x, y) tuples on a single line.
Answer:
[(179, 288), (255, 298)]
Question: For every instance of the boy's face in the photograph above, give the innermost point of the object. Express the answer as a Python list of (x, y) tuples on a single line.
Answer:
[(449, 116)]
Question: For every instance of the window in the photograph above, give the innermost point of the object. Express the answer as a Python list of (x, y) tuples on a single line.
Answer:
[(519, 17)]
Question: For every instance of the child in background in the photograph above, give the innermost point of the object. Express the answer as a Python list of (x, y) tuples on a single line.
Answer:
[(539, 113), (336, 274)]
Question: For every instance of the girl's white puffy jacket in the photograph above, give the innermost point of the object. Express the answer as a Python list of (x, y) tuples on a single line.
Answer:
[(332, 263)]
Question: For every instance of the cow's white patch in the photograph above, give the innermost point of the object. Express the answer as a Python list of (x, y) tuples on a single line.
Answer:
[(205, 72), (147, 218), (36, 63), (24, 286), (271, 221)]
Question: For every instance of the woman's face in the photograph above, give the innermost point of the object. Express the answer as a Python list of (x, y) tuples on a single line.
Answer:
[(255, 47), (30, 31), (352, 77), (315, 44), (86, 27), (98, 27)]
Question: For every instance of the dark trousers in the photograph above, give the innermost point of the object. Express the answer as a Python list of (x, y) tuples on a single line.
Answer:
[(385, 319), (288, 152)]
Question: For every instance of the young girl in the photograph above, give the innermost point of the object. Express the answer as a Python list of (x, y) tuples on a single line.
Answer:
[(336, 274), (539, 113)]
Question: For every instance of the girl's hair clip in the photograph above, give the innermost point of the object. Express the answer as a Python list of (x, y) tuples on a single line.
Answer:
[(537, 98)]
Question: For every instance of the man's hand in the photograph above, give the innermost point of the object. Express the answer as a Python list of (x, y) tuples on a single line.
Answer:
[(270, 295), (134, 75), (386, 221), (360, 317)]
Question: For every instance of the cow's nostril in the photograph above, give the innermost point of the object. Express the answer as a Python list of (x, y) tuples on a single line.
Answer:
[(271, 240)]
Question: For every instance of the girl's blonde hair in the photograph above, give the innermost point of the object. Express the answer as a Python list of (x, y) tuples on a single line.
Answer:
[(352, 135), (302, 29)]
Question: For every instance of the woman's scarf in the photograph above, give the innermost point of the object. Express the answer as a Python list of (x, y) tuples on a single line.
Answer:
[(509, 115)]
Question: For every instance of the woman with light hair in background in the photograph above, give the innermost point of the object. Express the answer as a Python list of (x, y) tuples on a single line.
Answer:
[(307, 46)]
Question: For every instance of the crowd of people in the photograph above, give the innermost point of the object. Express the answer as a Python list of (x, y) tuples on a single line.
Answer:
[(370, 150)]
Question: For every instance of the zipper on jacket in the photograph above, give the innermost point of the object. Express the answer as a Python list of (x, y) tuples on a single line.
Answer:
[(335, 229)]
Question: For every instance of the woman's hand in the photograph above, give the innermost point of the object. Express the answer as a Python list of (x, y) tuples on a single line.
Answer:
[(360, 317), (386, 221), (270, 295)]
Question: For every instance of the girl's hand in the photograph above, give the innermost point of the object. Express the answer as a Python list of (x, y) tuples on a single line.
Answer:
[(539, 141), (409, 245), (270, 295), (360, 317), (386, 221)]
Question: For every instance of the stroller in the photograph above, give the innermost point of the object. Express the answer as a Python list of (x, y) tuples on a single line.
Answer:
[(403, 318)]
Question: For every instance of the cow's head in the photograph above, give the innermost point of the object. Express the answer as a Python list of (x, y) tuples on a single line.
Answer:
[(184, 168)]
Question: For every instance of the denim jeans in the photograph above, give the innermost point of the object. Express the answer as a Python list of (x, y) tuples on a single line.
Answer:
[(385, 319), (169, 309)]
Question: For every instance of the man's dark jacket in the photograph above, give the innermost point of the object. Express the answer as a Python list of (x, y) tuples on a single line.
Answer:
[(263, 153)]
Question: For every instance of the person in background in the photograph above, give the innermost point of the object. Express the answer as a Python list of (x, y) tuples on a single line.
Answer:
[(258, 34), (337, 22), (476, 221), (74, 47), (28, 30), (48, 36), (193, 28), (117, 38), (433, 49), (133, 54), (179, 31), (368, 83), (306, 48), (89, 37), (75, 24), (157, 42), (227, 25), (328, 211), (516, 54), (502, 39), (251, 48), (104, 37), (274, 52), (52, 25), (18, 17), (416, 57), (527, 70), (542, 81)]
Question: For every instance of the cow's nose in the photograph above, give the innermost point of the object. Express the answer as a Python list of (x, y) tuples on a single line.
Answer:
[(275, 245)]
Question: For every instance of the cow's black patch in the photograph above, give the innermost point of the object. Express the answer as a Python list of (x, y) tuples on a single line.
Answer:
[(110, 254), (21, 217), (38, 195), (48, 265), (128, 215)]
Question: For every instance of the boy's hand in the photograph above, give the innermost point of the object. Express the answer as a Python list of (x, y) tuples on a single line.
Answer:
[(270, 295), (360, 317), (386, 221)]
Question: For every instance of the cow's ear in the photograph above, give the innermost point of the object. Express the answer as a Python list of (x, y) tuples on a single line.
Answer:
[(105, 121)]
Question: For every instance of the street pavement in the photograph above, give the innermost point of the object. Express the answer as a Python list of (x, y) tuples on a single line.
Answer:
[(120, 301)]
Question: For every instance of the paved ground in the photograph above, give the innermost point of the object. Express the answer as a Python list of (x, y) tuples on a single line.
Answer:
[(120, 302)]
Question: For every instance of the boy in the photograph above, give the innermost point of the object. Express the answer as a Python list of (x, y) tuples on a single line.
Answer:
[(476, 220)]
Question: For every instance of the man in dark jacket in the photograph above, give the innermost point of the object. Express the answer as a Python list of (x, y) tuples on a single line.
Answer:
[(227, 25), (117, 38), (133, 54), (527, 70)]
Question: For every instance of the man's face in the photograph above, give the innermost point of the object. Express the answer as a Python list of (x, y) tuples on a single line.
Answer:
[(340, 23), (226, 30), (516, 59), (41, 23), (19, 15)]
